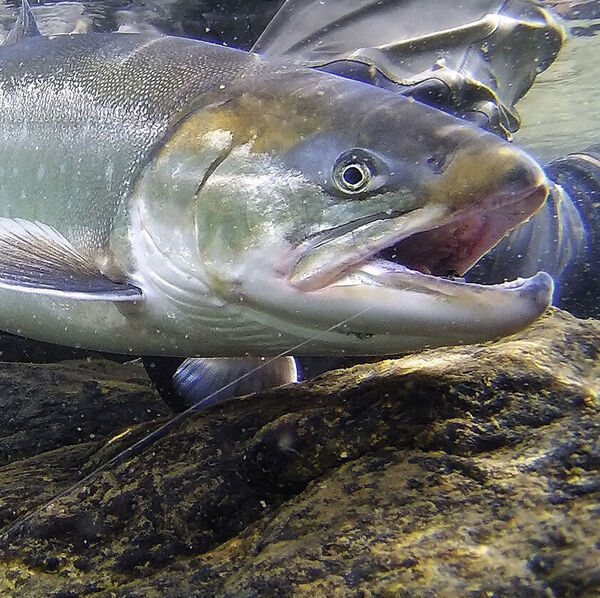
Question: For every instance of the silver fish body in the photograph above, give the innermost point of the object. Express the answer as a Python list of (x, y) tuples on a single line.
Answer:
[(81, 114), (239, 207)]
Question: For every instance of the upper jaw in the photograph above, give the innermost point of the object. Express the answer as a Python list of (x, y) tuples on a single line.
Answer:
[(328, 256)]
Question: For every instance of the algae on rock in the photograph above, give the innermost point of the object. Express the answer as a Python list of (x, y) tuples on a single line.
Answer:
[(471, 471)]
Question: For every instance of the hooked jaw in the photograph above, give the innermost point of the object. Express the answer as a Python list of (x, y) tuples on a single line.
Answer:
[(394, 267)]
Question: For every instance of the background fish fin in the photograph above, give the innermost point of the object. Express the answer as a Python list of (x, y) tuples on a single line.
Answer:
[(215, 380), (317, 33), (25, 26), (474, 59), (35, 258)]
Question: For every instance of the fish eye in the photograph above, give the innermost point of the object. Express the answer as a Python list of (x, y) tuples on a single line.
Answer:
[(355, 176), (353, 172)]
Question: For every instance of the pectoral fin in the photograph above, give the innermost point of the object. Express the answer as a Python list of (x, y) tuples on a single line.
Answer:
[(215, 379), (211, 381), (35, 258)]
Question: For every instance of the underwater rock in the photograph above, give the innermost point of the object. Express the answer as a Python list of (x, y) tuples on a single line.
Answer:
[(471, 471), (18, 348)]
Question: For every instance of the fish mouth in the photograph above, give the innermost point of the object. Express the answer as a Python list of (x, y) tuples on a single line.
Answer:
[(434, 247), (450, 250)]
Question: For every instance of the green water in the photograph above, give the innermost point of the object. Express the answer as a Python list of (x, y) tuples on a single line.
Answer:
[(561, 113)]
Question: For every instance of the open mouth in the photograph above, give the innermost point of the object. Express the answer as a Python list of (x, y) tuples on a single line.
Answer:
[(428, 243), (453, 248)]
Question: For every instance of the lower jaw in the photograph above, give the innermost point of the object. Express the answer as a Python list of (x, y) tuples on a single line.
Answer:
[(396, 302), (393, 276)]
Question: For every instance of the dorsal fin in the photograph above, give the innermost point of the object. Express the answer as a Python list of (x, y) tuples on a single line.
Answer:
[(25, 26)]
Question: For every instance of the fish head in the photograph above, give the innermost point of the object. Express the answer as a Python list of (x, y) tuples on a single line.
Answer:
[(337, 215)]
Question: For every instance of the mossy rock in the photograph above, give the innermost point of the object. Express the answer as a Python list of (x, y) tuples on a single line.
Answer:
[(471, 471)]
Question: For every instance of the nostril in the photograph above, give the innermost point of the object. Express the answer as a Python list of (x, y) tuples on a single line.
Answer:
[(437, 162), (522, 174)]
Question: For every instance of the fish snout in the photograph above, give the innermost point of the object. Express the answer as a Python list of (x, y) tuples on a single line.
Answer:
[(523, 173), (489, 175), (484, 191), (524, 180)]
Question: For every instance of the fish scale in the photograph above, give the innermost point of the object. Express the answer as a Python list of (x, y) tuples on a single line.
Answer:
[(89, 110)]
